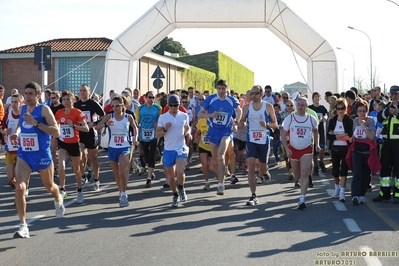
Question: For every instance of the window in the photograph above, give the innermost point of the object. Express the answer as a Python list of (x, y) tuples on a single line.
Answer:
[(77, 77)]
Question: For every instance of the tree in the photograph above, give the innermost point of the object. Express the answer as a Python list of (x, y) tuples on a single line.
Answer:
[(171, 46)]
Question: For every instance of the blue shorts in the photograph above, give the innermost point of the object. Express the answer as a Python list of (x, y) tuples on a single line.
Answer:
[(114, 153), (216, 135), (259, 151), (37, 160), (169, 157)]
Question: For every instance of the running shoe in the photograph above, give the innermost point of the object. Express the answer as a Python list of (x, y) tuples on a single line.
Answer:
[(301, 205), (96, 185), (233, 179), (182, 194), (59, 208), (362, 200), (152, 176), (342, 197), (355, 200), (166, 185), (89, 173), (207, 186), (123, 201), (380, 198), (175, 202), (322, 167), (259, 180), (267, 177), (63, 193), (253, 200), (297, 185), (148, 183), (83, 181), (220, 190), (227, 173), (200, 170), (187, 168), (315, 171), (79, 198), (336, 193), (22, 232)]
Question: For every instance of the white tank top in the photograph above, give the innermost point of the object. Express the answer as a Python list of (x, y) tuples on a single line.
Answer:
[(256, 133), (12, 123), (300, 130), (119, 132)]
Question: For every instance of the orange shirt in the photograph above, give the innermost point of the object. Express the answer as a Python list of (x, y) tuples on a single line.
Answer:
[(1, 110), (67, 133)]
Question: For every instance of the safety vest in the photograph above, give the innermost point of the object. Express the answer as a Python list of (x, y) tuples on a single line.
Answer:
[(390, 128)]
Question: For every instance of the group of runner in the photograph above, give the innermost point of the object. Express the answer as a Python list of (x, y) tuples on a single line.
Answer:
[(219, 125)]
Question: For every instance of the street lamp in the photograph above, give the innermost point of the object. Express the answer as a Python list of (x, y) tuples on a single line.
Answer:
[(353, 58), (371, 56)]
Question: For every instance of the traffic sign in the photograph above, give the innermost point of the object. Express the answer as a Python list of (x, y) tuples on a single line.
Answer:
[(158, 83), (158, 74)]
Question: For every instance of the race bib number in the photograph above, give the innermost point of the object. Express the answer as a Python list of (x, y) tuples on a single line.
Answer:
[(88, 116), (204, 140), (148, 134), (12, 145), (221, 119), (320, 117), (301, 133), (66, 132), (257, 136), (29, 142), (360, 133), (118, 140), (183, 151)]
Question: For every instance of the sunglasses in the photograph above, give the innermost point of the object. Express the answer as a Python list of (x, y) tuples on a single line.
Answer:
[(173, 105), (341, 109), (255, 93), (151, 97), (116, 105), (184, 102), (268, 91), (200, 99), (289, 105), (53, 98), (285, 97)]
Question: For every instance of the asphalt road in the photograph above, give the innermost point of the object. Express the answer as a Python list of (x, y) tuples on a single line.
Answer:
[(206, 230)]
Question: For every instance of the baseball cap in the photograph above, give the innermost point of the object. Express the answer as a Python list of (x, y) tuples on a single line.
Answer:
[(173, 99), (394, 89), (295, 96)]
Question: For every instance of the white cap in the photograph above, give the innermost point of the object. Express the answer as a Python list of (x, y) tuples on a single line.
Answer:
[(295, 96)]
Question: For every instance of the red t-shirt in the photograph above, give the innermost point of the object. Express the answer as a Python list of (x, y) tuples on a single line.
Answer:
[(166, 109), (67, 133)]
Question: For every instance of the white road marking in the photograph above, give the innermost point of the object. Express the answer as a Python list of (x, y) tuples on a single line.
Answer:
[(66, 204), (352, 225), (325, 181), (371, 261), (330, 192), (340, 206), (31, 220)]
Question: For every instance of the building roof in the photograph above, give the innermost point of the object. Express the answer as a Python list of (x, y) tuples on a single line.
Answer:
[(66, 45)]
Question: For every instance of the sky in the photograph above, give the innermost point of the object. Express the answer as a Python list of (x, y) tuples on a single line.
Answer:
[(26, 22)]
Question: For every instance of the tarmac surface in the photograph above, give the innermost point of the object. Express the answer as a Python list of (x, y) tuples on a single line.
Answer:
[(206, 230)]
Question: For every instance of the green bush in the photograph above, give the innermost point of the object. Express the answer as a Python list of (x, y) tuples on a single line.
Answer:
[(198, 78), (239, 78)]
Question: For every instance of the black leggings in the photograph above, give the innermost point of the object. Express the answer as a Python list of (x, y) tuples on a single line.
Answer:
[(339, 165), (149, 149)]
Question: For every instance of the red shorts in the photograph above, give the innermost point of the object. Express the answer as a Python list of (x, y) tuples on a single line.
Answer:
[(297, 154)]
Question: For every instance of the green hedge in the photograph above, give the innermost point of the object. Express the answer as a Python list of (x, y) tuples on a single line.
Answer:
[(198, 78), (239, 78)]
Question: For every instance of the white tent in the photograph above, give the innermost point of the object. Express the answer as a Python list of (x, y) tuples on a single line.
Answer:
[(167, 15)]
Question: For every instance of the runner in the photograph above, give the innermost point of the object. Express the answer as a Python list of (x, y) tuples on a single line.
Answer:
[(260, 117), (204, 150), (55, 105), (8, 127), (36, 125), (218, 109), (174, 126), (71, 121), (119, 144), (89, 140), (147, 115), (300, 127)]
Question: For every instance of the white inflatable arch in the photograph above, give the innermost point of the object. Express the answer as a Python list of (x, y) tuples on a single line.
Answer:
[(167, 15)]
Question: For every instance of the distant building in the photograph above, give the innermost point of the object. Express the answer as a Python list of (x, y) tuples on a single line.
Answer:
[(297, 86)]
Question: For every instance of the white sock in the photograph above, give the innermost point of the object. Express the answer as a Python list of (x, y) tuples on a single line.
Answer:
[(220, 184), (336, 186), (123, 194), (342, 190), (302, 198)]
